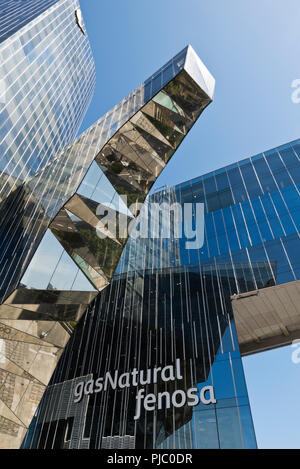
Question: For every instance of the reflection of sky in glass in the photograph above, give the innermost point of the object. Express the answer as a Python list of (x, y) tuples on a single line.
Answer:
[(210, 424), (52, 268), (44, 105), (97, 187)]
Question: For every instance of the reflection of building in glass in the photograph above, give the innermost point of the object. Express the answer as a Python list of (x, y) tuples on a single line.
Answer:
[(236, 294), (15, 15), (121, 154), (55, 193)]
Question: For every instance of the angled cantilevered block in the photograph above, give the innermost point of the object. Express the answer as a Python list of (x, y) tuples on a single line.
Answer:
[(54, 260), (120, 155)]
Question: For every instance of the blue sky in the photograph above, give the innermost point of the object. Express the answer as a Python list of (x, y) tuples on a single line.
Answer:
[(252, 49)]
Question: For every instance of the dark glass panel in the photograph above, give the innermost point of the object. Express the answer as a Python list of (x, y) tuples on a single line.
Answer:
[(264, 174), (210, 185), (289, 156), (280, 262), (221, 235), (262, 221), (222, 180), (292, 246)]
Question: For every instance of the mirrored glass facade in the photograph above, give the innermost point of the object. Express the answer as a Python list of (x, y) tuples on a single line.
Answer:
[(174, 304), (47, 78), (54, 257)]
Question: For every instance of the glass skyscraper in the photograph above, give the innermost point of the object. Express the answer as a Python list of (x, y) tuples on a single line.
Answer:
[(47, 79), (56, 190), (155, 362)]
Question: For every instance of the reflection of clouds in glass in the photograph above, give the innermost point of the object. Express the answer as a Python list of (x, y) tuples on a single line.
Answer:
[(2, 91)]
